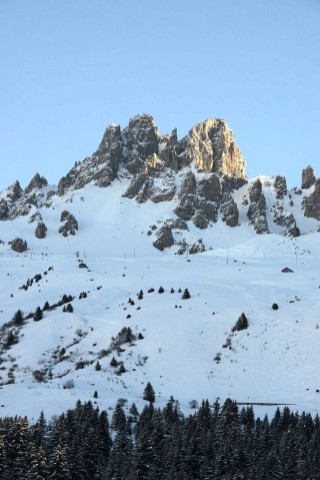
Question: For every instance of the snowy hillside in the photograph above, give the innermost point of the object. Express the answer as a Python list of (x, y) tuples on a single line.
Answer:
[(184, 347)]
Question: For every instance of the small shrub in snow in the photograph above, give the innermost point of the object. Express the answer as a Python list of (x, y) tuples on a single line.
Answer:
[(140, 295), (217, 358), (98, 366), (39, 376), (11, 339), (68, 308), (68, 385), (227, 344), (81, 364), (275, 306), (161, 290), (121, 369)]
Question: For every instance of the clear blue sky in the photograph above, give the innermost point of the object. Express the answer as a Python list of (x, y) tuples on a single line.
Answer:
[(68, 68)]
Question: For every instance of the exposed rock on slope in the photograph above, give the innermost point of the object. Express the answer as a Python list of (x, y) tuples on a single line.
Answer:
[(257, 210), (308, 177), (202, 176), (41, 230), (311, 204), (19, 245), (139, 150), (211, 146), (69, 224)]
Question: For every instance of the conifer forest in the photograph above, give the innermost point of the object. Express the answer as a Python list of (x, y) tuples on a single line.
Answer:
[(216, 442)]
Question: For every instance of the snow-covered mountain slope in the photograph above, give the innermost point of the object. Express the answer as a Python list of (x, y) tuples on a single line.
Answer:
[(148, 211), (172, 342)]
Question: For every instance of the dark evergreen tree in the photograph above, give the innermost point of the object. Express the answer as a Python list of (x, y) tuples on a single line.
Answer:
[(58, 465), (38, 315), (186, 295), (149, 393), (118, 421), (18, 318)]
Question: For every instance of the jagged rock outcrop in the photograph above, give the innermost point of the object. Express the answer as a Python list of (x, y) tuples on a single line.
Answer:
[(308, 177), (100, 169), (69, 224), (257, 210), (19, 245), (280, 185), (141, 140), (311, 204), (164, 238), (211, 146), (285, 219), (41, 230), (229, 210), (140, 150), (155, 182), (15, 191), (36, 182), (197, 247)]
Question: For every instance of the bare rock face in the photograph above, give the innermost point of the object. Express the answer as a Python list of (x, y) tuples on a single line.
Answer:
[(200, 220), (69, 224), (18, 245), (285, 219), (155, 182), (257, 210), (230, 212), (37, 182), (141, 140), (41, 230), (140, 149), (164, 238), (185, 208), (15, 191), (280, 185), (197, 247), (211, 146), (308, 177), (100, 169), (169, 149), (311, 204), (4, 209)]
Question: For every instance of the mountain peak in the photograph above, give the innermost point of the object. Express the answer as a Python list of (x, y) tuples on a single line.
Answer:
[(210, 146)]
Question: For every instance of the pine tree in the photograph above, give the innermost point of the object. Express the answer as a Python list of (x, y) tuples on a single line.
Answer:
[(58, 466), (38, 314), (186, 295), (118, 421), (18, 318), (149, 394)]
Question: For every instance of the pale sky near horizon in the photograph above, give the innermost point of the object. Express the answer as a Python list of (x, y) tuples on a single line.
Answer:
[(68, 68)]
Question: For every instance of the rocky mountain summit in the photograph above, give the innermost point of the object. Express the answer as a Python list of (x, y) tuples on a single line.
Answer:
[(202, 177)]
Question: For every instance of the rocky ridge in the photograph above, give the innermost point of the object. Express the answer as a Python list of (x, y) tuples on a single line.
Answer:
[(203, 175)]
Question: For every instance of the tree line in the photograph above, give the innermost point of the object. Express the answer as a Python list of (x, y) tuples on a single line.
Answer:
[(215, 442)]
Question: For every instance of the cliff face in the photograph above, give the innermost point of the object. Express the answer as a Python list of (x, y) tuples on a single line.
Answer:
[(202, 175), (139, 148), (212, 148)]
